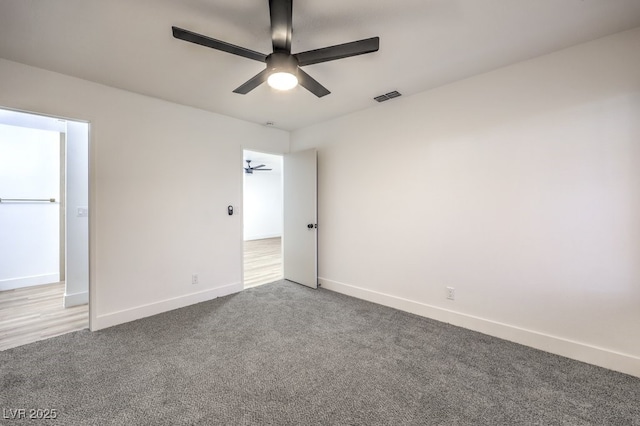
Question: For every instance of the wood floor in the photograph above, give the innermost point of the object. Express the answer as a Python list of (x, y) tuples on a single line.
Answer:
[(262, 261), (35, 313)]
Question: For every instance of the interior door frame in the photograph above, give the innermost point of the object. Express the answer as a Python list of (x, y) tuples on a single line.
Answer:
[(91, 201), (242, 206), (242, 213), (63, 207)]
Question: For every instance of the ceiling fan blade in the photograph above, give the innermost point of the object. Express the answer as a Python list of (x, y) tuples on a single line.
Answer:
[(281, 12), (261, 170), (339, 51), (256, 81), (202, 40), (311, 84), (257, 167)]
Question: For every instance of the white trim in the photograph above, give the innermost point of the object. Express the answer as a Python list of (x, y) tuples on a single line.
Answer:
[(13, 283), (143, 311), (624, 363), (262, 236), (76, 299)]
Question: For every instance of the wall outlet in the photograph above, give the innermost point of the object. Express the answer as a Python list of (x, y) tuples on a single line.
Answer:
[(194, 279), (451, 293)]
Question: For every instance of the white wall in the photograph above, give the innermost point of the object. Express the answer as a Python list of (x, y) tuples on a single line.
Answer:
[(520, 188), (263, 201), (29, 231), (77, 224), (161, 178)]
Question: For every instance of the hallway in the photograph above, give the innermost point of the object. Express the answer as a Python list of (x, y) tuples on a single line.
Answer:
[(36, 313), (262, 261)]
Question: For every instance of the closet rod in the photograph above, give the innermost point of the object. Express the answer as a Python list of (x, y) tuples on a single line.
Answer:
[(46, 200)]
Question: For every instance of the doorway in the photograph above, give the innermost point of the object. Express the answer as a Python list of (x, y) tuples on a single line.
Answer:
[(262, 218), (44, 249)]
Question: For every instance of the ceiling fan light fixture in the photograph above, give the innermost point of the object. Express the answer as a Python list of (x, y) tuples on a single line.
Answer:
[(283, 69), (282, 80)]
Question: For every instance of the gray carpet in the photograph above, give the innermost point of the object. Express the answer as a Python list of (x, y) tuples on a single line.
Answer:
[(284, 354)]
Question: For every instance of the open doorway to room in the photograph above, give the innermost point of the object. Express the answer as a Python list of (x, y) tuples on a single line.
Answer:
[(44, 230), (262, 218)]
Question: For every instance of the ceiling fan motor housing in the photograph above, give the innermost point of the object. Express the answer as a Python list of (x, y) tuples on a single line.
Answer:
[(282, 62)]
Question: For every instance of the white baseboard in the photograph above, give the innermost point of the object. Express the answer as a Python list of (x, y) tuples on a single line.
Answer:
[(262, 237), (76, 299), (602, 357), (21, 282), (132, 314)]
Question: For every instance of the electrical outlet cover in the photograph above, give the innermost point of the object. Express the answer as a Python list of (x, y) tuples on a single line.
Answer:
[(451, 293)]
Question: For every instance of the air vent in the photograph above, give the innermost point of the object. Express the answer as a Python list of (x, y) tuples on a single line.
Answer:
[(388, 96)]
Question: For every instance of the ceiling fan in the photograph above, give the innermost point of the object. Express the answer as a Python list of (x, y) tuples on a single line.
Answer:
[(249, 169), (283, 68)]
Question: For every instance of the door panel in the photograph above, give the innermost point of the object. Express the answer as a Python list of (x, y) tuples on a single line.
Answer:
[(300, 261)]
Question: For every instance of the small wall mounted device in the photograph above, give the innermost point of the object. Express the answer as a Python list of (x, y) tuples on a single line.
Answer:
[(230, 210)]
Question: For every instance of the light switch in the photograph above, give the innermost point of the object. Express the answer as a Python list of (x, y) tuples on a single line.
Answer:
[(82, 212)]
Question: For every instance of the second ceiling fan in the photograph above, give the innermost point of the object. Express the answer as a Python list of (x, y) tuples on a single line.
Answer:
[(283, 68), (250, 169)]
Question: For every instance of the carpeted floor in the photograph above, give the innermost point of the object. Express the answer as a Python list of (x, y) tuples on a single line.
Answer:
[(283, 354)]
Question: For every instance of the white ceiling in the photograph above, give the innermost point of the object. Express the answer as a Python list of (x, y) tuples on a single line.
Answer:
[(423, 44)]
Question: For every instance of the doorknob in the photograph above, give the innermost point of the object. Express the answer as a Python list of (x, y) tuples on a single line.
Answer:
[(312, 225)]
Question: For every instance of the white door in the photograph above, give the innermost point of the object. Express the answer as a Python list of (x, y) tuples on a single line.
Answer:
[(299, 242)]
